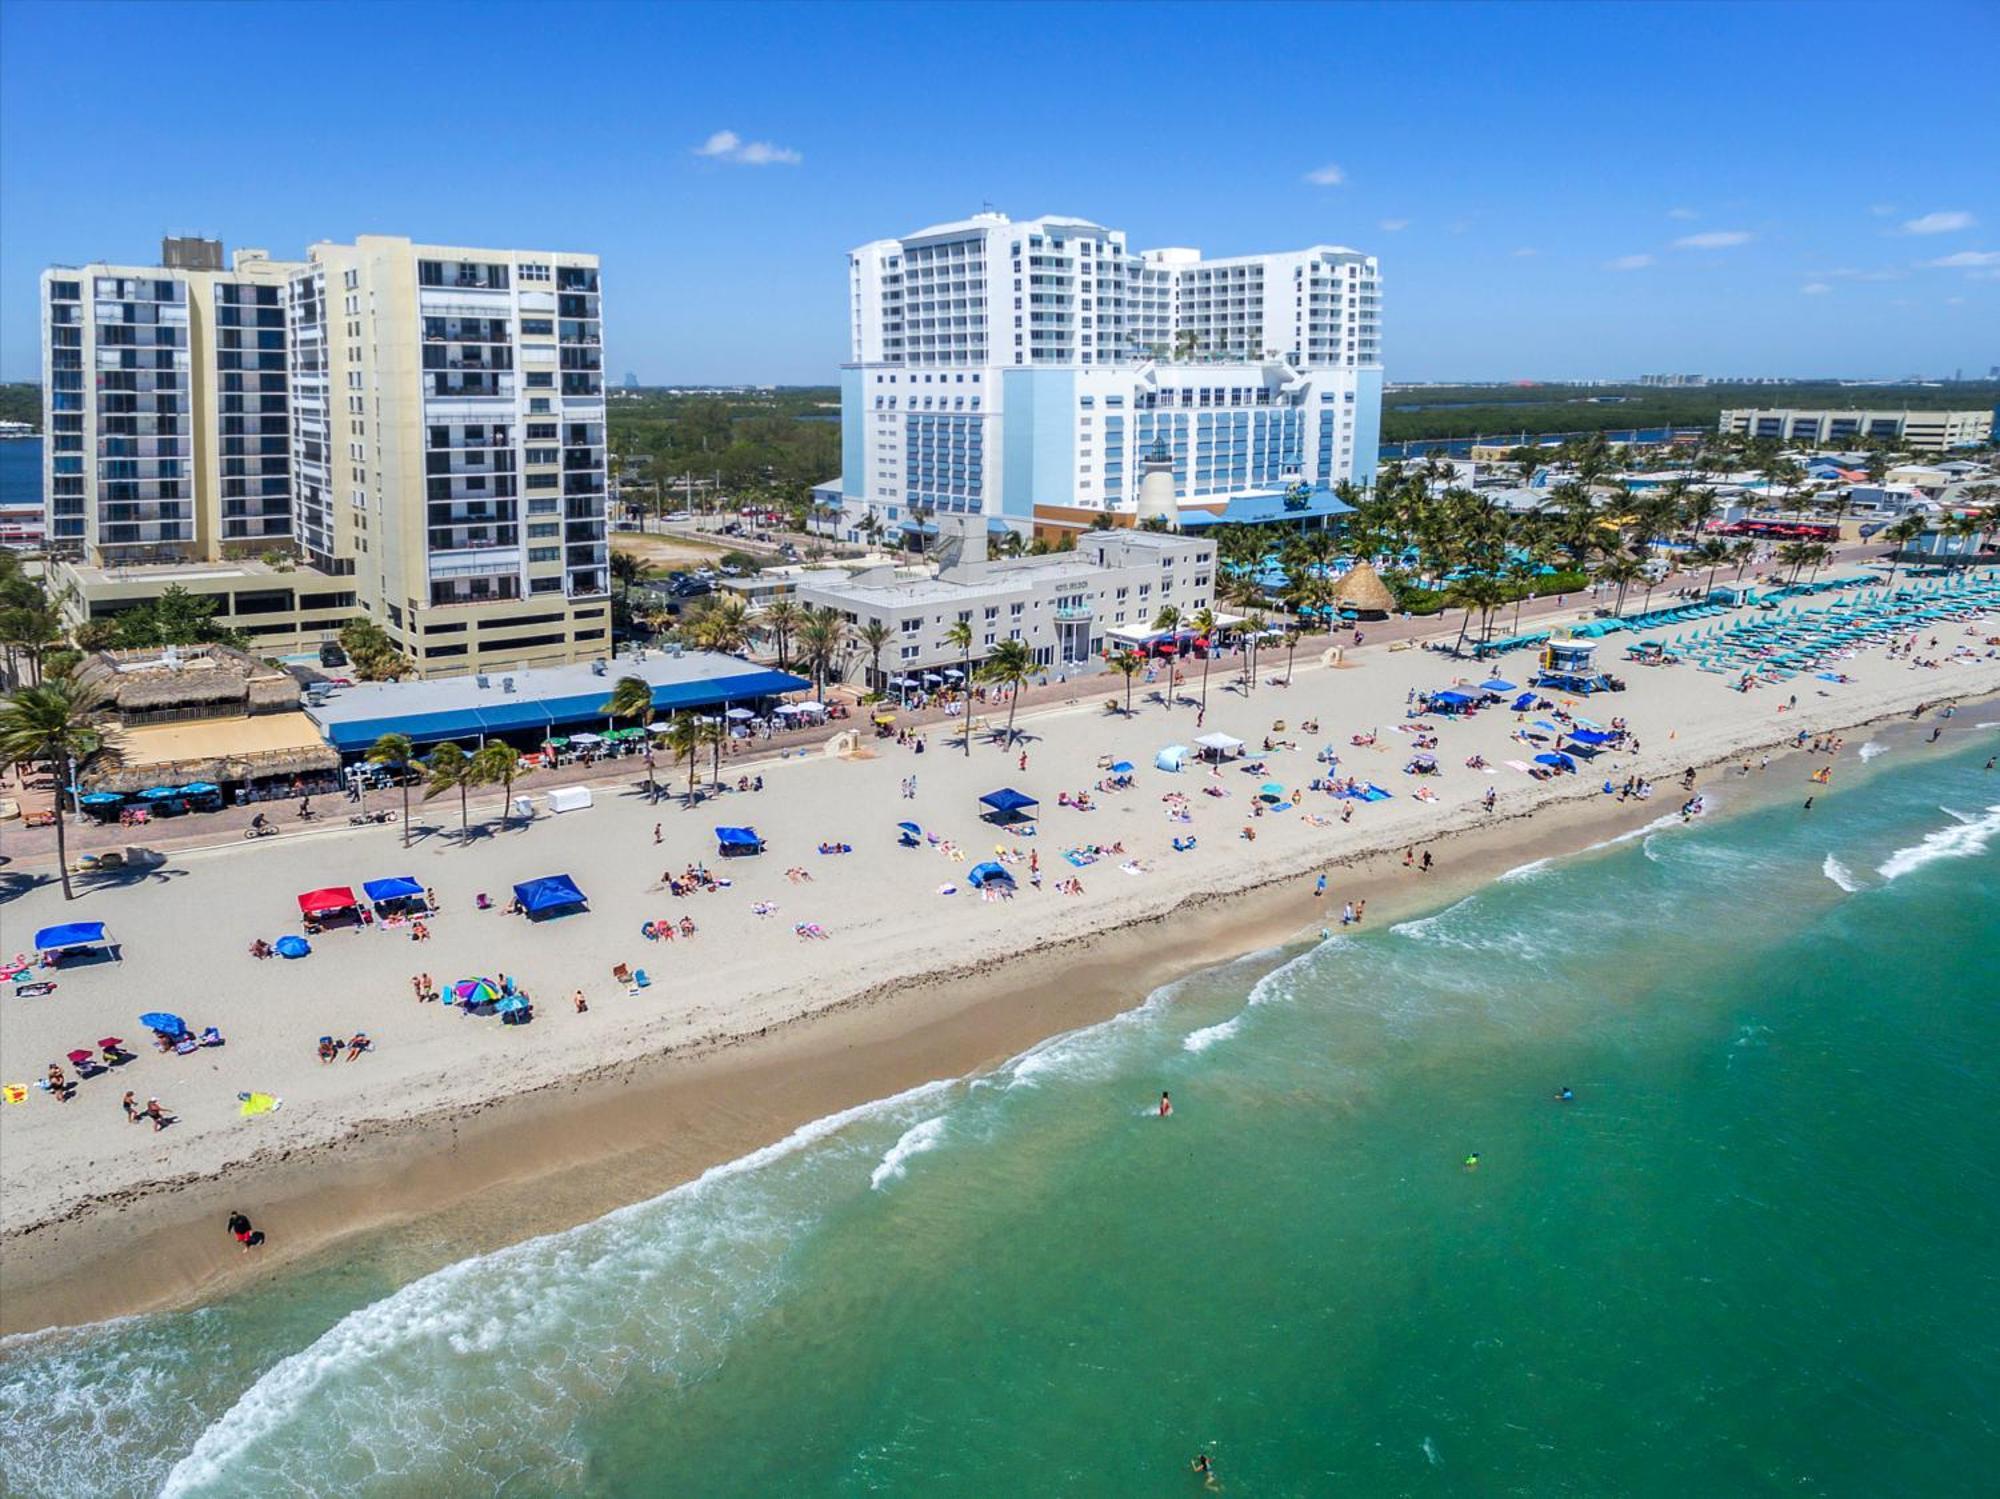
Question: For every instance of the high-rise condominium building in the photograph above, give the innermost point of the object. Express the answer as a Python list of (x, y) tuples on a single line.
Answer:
[(1926, 431), (1022, 370), (418, 429)]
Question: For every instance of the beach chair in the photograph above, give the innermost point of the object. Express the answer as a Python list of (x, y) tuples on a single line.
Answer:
[(622, 974), (640, 980)]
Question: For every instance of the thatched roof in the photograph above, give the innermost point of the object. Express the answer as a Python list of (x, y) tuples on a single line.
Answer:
[(149, 681), (217, 769), (1364, 591)]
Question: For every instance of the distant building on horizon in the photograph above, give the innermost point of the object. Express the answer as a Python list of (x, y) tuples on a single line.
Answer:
[(1020, 371), (1926, 431), (418, 430)]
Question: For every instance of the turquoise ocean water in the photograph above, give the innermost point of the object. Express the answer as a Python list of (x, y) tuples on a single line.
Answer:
[(1756, 1255)]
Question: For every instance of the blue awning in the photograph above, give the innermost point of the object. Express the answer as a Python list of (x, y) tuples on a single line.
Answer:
[(1592, 736), (1008, 800), (1496, 685), (1453, 697), (551, 893), (396, 887), (738, 838), (70, 934), (160, 793), (1278, 505), (1561, 762)]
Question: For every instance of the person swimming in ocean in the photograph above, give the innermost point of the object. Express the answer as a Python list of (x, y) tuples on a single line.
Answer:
[(1472, 1161), (1206, 1469), (1166, 1104), (1565, 1096)]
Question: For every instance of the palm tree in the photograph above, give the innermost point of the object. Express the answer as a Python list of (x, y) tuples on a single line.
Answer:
[(958, 635), (494, 764), (684, 741), (1009, 664), (1622, 569), (1291, 652), (62, 720), (628, 568), (1741, 553), (874, 637), (1169, 618), (723, 626), (396, 751), (1203, 624), (451, 770), (779, 618), (632, 697), (1900, 535), (1710, 552), (820, 634), (1253, 627), (1127, 664)]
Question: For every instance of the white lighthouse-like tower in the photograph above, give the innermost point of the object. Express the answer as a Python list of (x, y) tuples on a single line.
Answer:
[(1156, 488)]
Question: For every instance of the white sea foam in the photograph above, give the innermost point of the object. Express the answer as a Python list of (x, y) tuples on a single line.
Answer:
[(1200, 1041), (1871, 749), (1658, 825), (1968, 835), (926, 1134), (1839, 873), (1279, 983), (1527, 871), (552, 1295)]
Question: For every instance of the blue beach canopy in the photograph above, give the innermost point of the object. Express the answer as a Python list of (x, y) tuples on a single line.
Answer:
[(738, 838), (1496, 685), (165, 1024), (292, 947), (1008, 800), (1561, 761), (70, 934), (1524, 702), (396, 887), (982, 875), (1453, 696), (551, 893), (1592, 736)]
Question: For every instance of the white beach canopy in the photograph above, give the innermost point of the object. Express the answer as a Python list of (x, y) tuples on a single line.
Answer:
[(586, 739), (741, 714), (1219, 742)]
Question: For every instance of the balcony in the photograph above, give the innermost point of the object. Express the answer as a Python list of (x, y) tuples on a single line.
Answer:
[(496, 562)]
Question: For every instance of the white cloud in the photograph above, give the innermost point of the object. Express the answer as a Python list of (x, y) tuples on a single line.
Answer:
[(1392, 225), (1714, 239), (1525, 251), (1629, 263), (1965, 260), (1939, 223), (727, 145), (1954, 301), (1815, 289), (1881, 210), (1852, 273), (1326, 176), (1682, 213)]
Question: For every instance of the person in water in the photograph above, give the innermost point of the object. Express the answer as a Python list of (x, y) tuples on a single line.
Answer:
[(1206, 1469), (1166, 1104), (241, 1231), (1472, 1161), (1565, 1096)]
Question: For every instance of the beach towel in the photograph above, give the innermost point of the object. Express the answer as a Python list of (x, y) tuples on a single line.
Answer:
[(254, 1104), (14, 1092)]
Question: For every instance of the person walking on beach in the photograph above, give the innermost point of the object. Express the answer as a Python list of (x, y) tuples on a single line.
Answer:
[(577, 999), (131, 1107), (241, 1231), (656, 833), (1425, 864), (1319, 888), (1808, 805), (1347, 914), (158, 1115), (1360, 910)]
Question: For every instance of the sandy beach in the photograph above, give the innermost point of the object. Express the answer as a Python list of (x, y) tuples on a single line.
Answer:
[(748, 1028)]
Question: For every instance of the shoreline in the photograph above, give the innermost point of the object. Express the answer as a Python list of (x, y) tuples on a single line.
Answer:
[(516, 1165)]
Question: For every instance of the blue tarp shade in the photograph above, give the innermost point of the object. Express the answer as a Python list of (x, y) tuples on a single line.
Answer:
[(396, 887), (549, 894), (69, 934), (738, 838), (551, 713), (1496, 685), (1008, 800), (1453, 696), (1592, 736), (1561, 761), (1524, 702), (988, 873)]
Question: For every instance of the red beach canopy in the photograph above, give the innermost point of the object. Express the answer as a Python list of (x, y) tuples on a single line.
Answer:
[(333, 898)]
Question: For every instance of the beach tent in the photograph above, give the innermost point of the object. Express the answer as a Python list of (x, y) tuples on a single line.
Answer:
[(325, 902), (1524, 703), (730, 841), (71, 936), (988, 873), (1219, 746), (1560, 762), (1008, 803), (1173, 757), (396, 887), (1451, 700), (548, 895)]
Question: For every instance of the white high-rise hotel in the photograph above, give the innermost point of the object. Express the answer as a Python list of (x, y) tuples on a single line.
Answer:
[(1023, 370)]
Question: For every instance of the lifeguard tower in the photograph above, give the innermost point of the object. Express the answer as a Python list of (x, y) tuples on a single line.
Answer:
[(1571, 666)]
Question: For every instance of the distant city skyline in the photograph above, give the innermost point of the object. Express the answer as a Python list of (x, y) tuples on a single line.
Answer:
[(1551, 192)]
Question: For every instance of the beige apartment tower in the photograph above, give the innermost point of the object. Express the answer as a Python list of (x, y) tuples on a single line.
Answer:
[(410, 433)]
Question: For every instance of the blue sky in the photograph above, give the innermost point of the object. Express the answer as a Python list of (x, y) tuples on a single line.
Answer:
[(1554, 191)]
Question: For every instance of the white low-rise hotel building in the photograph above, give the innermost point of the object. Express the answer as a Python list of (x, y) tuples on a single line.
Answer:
[(1068, 607), (1018, 371)]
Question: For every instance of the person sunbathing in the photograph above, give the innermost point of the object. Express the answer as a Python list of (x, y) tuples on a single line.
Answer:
[(262, 949), (359, 1044), (329, 1049), (687, 926)]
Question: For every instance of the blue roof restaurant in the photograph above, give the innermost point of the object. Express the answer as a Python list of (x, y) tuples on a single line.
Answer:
[(527, 708)]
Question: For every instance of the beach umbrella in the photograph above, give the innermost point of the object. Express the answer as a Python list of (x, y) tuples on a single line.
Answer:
[(161, 1021), (511, 1003), (292, 947), (1271, 791), (1121, 767), (253, 1104), (475, 991), (912, 835), (586, 739), (78, 1057), (741, 715)]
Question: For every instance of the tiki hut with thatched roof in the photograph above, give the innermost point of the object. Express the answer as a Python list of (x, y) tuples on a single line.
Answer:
[(1363, 591)]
